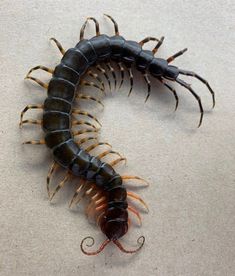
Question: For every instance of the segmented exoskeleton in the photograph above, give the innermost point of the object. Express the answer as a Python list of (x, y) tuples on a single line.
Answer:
[(99, 180)]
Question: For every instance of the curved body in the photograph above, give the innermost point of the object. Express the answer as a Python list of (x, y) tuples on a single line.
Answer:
[(58, 109), (57, 117)]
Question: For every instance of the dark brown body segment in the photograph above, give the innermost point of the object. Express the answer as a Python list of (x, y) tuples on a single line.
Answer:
[(56, 120)]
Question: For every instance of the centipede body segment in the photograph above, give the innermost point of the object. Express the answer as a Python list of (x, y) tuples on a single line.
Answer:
[(109, 201)]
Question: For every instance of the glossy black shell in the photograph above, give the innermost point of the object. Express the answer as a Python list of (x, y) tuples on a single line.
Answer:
[(57, 117)]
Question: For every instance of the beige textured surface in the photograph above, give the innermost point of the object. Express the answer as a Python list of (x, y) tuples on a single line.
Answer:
[(191, 225)]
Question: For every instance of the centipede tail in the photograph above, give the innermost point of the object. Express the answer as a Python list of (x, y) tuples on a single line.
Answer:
[(71, 133)]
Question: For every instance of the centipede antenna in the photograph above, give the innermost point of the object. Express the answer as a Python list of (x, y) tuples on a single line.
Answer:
[(101, 248), (140, 241), (187, 86), (171, 58), (192, 74), (115, 24)]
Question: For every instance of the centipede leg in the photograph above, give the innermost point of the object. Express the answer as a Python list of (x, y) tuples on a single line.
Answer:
[(147, 39), (188, 87), (115, 162), (42, 84), (33, 122), (97, 28), (111, 69), (33, 106), (35, 142), (103, 71), (171, 58), (91, 147), (146, 78), (84, 113), (133, 177), (95, 76), (61, 185), (136, 197), (79, 189), (193, 74), (114, 22), (136, 213), (84, 140), (87, 97), (105, 153), (40, 67), (172, 90), (49, 175), (81, 123), (122, 70), (61, 49), (131, 80), (84, 131), (155, 49), (90, 83)]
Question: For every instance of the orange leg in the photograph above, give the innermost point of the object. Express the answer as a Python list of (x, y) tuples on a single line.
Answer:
[(81, 122), (101, 207), (44, 85), (87, 97), (52, 169), (31, 106), (84, 131), (90, 148), (61, 185), (58, 45), (132, 177), (84, 113), (90, 83), (77, 193), (136, 197), (115, 162), (95, 76), (35, 142), (131, 209)]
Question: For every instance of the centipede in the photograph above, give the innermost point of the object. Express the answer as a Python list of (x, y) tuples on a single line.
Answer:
[(100, 58)]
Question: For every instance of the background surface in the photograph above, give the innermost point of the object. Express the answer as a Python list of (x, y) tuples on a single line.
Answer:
[(190, 227)]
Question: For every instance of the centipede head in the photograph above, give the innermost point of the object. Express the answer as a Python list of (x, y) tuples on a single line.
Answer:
[(140, 241)]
